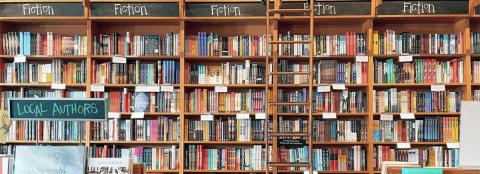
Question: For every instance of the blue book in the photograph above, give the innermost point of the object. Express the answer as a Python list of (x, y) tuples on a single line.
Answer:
[(422, 171), (21, 42), (28, 43)]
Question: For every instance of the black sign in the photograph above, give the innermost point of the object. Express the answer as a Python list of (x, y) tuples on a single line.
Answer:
[(57, 109), (293, 142), (422, 7), (167, 9), (42, 9), (225, 9), (477, 10), (332, 8)]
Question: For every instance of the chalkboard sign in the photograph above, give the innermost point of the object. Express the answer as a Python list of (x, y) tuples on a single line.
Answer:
[(166, 9), (225, 9), (292, 142), (41, 9), (422, 7), (332, 8), (57, 109)]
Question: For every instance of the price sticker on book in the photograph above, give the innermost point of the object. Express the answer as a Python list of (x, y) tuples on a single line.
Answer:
[(405, 58), (113, 115), (386, 117), (147, 88), (407, 116), (221, 88), (308, 172), (453, 145), (437, 87), (97, 88), (323, 88), (137, 115), (403, 145), (58, 86), (206, 117), (119, 59), (20, 58), (361, 58), (329, 115), (260, 116), (243, 116), (166, 88), (339, 86)]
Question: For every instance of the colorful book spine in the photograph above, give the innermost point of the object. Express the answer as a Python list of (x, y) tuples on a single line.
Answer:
[(28, 43), (434, 156), (225, 73), (475, 42), (59, 71), (419, 71), (198, 157), (340, 101), (292, 155), (352, 158), (225, 129), (127, 101), (393, 100), (292, 95), (339, 131), (332, 71), (136, 45), (204, 44), (206, 100), (285, 66), (392, 42), (428, 129), (46, 131)]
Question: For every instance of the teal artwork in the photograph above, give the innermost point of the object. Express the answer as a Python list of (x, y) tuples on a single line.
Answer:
[(422, 171)]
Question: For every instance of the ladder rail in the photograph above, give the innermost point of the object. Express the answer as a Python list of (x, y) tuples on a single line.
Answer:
[(267, 82)]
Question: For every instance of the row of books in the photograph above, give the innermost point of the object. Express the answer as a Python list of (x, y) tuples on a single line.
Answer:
[(427, 129), (28, 43), (37, 93), (198, 157), (476, 95), (346, 101), (392, 42), (211, 44), (225, 73), (226, 129), (138, 72), (59, 71), (207, 100), (434, 156), (476, 71), (46, 131), (419, 71), (160, 129), (136, 45), (350, 43), (475, 42), (154, 158), (127, 101), (394, 100), (339, 130), (353, 158), (333, 71), (293, 155)]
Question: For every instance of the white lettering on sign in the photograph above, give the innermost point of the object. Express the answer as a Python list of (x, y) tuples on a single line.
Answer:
[(224, 10), (130, 10), (322, 8), (37, 9), (418, 8)]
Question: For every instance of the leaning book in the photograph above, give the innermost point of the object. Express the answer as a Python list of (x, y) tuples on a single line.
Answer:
[(109, 165)]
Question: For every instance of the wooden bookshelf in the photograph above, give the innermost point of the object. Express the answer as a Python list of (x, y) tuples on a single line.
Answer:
[(90, 26)]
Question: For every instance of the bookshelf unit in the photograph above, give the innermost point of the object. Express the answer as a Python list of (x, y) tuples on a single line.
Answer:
[(189, 23)]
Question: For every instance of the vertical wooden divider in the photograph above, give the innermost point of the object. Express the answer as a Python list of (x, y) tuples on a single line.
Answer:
[(467, 67), (277, 5), (89, 68), (181, 150), (370, 97)]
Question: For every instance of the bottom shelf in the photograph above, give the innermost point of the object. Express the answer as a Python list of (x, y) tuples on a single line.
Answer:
[(263, 171)]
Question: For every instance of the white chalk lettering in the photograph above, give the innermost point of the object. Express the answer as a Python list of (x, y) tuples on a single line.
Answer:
[(130, 10), (224, 10), (322, 8), (418, 8), (37, 9)]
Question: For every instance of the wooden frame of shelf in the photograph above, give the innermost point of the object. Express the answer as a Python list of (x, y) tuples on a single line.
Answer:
[(90, 26)]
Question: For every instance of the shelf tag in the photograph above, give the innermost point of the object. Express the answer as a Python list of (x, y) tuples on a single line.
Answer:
[(260, 116), (386, 117), (361, 58), (339, 86), (97, 88), (113, 115), (403, 146), (20, 58), (323, 88), (58, 86), (243, 116), (308, 172), (453, 145), (166, 88), (437, 87), (221, 88), (119, 59), (206, 117), (329, 115), (147, 88), (137, 115), (405, 58), (407, 116)]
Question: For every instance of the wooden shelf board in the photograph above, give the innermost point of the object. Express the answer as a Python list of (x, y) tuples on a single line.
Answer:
[(341, 143), (316, 85), (136, 20), (301, 171), (224, 171), (319, 114), (152, 114), (47, 57), (391, 85), (47, 20), (109, 57), (135, 85), (46, 142), (320, 57), (161, 171), (227, 142), (476, 84), (412, 19), (412, 143), (136, 142), (224, 58), (437, 56), (426, 113), (40, 85), (132, 1), (214, 114), (229, 86)]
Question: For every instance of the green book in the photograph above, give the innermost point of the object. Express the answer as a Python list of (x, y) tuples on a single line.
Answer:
[(422, 171)]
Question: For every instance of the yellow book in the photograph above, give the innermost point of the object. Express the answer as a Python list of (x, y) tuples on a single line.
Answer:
[(375, 43)]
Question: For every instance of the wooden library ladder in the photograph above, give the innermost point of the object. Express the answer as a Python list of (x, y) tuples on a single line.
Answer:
[(274, 163)]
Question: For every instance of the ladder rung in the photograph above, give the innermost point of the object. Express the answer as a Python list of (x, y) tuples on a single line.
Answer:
[(287, 103), (289, 42), (289, 73), (289, 164), (289, 10), (293, 134)]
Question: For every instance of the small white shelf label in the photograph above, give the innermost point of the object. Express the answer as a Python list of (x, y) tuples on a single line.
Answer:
[(119, 59), (403, 145), (147, 88), (437, 87), (20, 58), (97, 88), (453, 145), (206, 117), (166, 88), (323, 88), (260, 116), (405, 58), (308, 172), (243, 116), (137, 115), (386, 117), (339, 86), (113, 115), (58, 86), (407, 116), (221, 88), (361, 58), (329, 115)]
